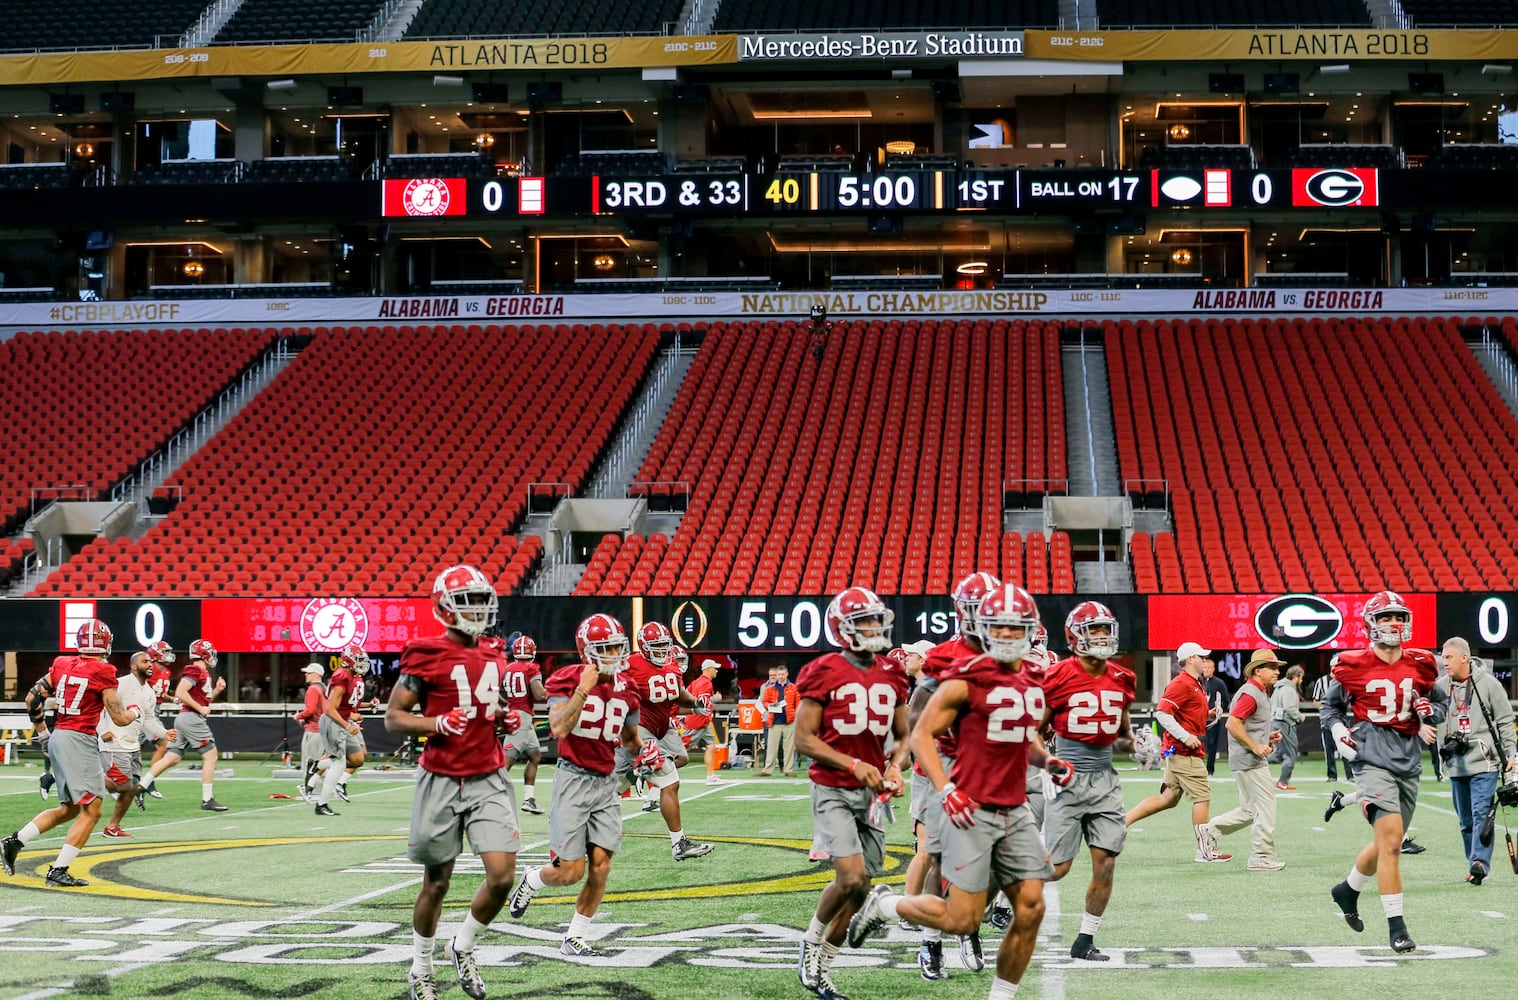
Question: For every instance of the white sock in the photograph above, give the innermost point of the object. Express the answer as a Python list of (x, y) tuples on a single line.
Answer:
[(206, 795), (421, 954), (888, 904), (323, 764), (329, 785), (1002, 990), (815, 930), (28, 833), (464, 941), (1089, 923), (579, 926), (1391, 904), (68, 852), (1357, 880), (675, 836), (527, 789), (1350, 798), (147, 780), (829, 952), (932, 934), (534, 879)]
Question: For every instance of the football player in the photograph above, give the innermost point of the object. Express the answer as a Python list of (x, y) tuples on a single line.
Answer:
[(161, 680), (657, 677), (342, 735), (195, 692), (454, 682), (121, 746), (592, 708), (699, 729), (88, 683), (522, 691), (996, 703), (1086, 700), (42, 709), (851, 702), (1381, 709), (312, 746), (927, 812)]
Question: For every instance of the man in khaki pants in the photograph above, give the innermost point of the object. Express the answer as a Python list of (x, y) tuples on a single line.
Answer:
[(779, 701), (1250, 741)]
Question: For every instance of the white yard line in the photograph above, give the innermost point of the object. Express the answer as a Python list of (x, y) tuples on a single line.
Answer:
[(1051, 981)]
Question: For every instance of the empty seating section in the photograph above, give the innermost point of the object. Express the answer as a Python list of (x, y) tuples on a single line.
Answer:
[(455, 18), (882, 464), (12, 559), (768, 15), (379, 456), (1236, 13), (87, 407), (68, 24), (24, 176), (298, 21), (1313, 455), (438, 165), (1461, 12)]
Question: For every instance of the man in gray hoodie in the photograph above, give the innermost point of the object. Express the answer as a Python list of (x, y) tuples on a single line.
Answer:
[(1477, 744)]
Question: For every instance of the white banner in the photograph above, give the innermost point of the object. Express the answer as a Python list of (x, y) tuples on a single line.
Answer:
[(531, 309)]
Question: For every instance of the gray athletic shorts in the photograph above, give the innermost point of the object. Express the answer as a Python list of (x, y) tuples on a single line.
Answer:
[(1386, 791), (194, 734), (1091, 806), (522, 742), (841, 821), (927, 810), (585, 810), (1036, 800), (444, 809), (130, 764), (76, 766), (338, 742), (671, 743), (704, 737), (1001, 848), (312, 746)]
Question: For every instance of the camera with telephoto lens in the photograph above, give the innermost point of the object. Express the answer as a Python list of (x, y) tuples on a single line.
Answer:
[(1454, 745), (1507, 792)]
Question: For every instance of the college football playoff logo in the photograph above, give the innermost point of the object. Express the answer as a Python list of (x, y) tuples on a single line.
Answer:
[(330, 624), (688, 624), (1298, 621)]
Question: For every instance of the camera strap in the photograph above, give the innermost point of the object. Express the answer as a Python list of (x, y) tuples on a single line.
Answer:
[(1491, 723)]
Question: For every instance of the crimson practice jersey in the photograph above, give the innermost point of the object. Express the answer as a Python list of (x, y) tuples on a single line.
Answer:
[(446, 676), (1383, 693), (858, 706), (701, 685), (200, 681), (516, 685), (658, 690), (159, 682), (79, 684), (353, 691), (1088, 709), (1005, 710), (938, 665), (592, 743)]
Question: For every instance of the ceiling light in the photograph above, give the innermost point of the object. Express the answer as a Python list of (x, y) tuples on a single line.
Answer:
[(281, 84)]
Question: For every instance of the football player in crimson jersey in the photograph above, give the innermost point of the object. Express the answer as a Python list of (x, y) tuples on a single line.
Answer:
[(995, 702), (927, 813), (522, 692), (1086, 700), (658, 678), (343, 747), (454, 682), (592, 709), (1381, 709), (851, 701), (195, 692), (162, 682), (85, 685)]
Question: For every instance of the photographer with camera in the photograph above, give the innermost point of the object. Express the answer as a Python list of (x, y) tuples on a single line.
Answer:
[(1476, 743)]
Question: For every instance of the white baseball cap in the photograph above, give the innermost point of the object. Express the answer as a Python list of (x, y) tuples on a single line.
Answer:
[(1189, 649), (711, 663), (316, 668), (922, 647)]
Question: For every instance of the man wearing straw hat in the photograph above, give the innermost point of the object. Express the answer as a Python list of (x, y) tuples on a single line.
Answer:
[(1250, 741)]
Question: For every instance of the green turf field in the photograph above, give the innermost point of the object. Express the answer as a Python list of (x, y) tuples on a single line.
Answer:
[(270, 900)]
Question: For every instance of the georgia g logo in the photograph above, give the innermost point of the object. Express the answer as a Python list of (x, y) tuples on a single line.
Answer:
[(1298, 621), (1335, 188)]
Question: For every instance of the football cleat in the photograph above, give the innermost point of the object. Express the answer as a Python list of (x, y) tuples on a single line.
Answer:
[(61, 878), (422, 987), (117, 832), (906, 925), (688, 848), (827, 989), (1085, 949), (322, 809), (970, 952), (211, 805), (468, 970), (342, 793), (45, 785), (870, 917), (521, 897), (1409, 847), (649, 807), (1402, 942), (530, 805), (809, 964), (1349, 905), (1001, 916), (9, 848), (578, 948), (154, 792), (930, 961), (302, 793), (1335, 804)]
